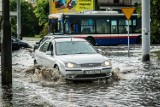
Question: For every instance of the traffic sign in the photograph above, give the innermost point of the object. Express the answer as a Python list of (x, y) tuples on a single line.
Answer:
[(128, 12)]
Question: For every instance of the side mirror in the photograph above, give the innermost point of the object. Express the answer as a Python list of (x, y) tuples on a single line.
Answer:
[(36, 46), (49, 53)]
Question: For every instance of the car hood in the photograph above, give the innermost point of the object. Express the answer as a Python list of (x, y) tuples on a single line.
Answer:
[(83, 58)]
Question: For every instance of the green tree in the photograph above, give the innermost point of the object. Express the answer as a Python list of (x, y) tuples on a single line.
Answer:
[(155, 20), (28, 19), (42, 11)]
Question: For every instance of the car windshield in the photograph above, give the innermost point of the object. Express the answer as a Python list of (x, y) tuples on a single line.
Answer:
[(74, 47)]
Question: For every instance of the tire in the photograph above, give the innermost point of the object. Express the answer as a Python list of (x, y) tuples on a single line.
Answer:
[(57, 69), (91, 40), (21, 47)]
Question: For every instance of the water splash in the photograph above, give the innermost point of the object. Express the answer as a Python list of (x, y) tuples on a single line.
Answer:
[(116, 74), (38, 74)]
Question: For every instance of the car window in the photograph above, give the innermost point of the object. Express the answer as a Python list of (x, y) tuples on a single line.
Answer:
[(43, 39), (50, 47), (74, 47), (14, 39), (44, 47)]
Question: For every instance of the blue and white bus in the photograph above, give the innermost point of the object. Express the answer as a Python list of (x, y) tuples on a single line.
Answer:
[(98, 27)]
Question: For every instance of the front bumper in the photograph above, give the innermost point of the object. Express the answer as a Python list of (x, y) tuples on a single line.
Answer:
[(88, 73)]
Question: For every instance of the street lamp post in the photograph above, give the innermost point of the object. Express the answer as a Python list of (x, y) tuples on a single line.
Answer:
[(145, 30), (6, 50), (19, 20)]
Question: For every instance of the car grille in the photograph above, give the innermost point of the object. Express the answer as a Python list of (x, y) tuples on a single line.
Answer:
[(90, 65), (91, 76)]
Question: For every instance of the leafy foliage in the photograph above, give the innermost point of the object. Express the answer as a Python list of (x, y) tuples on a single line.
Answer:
[(155, 20), (28, 19), (42, 11)]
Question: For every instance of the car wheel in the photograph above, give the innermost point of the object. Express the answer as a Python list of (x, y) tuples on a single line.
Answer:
[(56, 68), (21, 47)]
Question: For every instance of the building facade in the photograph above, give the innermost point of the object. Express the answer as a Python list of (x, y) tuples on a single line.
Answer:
[(115, 4)]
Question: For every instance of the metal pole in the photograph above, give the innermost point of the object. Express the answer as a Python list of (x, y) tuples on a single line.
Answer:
[(145, 30), (128, 38), (19, 20), (6, 50)]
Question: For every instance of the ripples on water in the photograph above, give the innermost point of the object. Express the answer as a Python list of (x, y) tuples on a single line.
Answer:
[(134, 84)]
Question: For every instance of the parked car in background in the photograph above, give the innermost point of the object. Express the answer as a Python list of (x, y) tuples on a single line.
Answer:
[(73, 58), (18, 44)]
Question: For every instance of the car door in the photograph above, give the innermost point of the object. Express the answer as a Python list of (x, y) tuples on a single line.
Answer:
[(49, 58), (41, 53)]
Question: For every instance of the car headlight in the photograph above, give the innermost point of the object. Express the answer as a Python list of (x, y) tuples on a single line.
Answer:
[(106, 63), (72, 65)]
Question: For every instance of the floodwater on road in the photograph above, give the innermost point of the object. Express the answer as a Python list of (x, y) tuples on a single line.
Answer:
[(138, 83)]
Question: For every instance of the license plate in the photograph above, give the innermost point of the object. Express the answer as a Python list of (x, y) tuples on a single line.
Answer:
[(92, 71)]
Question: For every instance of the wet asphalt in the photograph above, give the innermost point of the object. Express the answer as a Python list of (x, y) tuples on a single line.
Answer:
[(134, 84)]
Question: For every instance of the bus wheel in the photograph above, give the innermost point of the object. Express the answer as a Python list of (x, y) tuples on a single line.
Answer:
[(91, 40), (139, 39)]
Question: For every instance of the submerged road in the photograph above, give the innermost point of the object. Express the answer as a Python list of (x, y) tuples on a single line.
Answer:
[(138, 84)]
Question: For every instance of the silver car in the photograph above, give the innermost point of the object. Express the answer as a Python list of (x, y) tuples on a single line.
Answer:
[(73, 58)]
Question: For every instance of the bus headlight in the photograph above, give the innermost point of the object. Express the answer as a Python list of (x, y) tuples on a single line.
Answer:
[(106, 63), (72, 65)]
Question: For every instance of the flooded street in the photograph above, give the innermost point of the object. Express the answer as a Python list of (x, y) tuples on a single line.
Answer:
[(134, 84)]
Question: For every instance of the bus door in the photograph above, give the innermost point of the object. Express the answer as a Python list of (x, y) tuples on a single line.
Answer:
[(52, 25), (103, 31), (72, 26), (55, 26), (114, 32)]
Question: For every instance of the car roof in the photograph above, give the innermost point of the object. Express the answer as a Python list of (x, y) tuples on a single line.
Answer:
[(68, 39)]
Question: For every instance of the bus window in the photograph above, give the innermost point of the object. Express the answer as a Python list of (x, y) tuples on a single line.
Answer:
[(55, 26), (114, 26), (136, 26), (71, 25), (87, 26), (122, 26), (67, 26), (130, 26), (103, 26)]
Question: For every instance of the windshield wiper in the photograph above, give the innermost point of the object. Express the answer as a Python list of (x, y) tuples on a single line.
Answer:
[(63, 54), (79, 53)]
